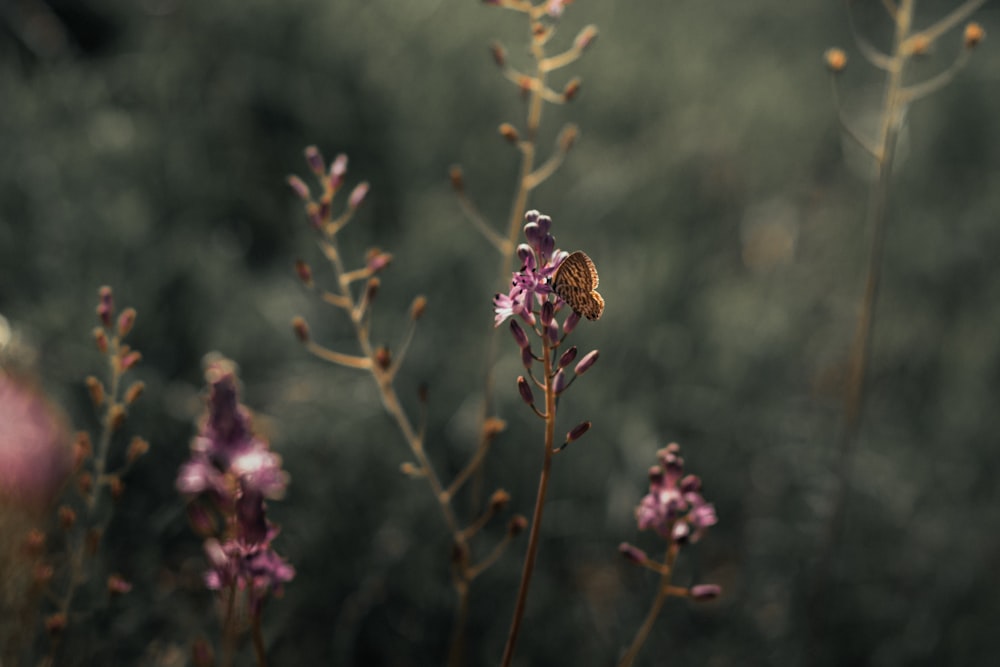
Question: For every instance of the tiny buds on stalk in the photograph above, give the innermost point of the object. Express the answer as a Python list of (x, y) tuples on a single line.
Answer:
[(973, 35), (585, 38), (67, 517), (383, 358), (304, 272), (126, 321), (96, 391), (548, 311), (338, 168), (131, 359), (516, 525), (358, 194), (499, 500), (201, 654), (376, 260), (105, 306), (457, 179), (567, 357), (116, 486), (301, 329), (571, 322), (116, 416), (559, 382), (85, 484), (577, 432), (632, 553), (492, 427), (55, 623), (315, 160), (34, 543), (835, 59), (418, 307), (371, 289), (704, 592), (588, 360), (508, 132), (136, 449), (81, 448), (525, 390), (117, 585), (411, 470), (527, 358), (101, 338), (520, 337), (92, 541), (571, 89), (499, 54), (134, 391), (299, 187), (567, 138)]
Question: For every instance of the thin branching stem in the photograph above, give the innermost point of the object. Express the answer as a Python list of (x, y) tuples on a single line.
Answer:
[(663, 591)]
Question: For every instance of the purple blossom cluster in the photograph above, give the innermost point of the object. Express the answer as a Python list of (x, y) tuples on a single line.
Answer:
[(236, 470), (531, 285), (674, 506)]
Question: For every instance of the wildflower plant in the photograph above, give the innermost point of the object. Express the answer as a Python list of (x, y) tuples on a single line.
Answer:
[(675, 509), (533, 300), (72, 568), (230, 476)]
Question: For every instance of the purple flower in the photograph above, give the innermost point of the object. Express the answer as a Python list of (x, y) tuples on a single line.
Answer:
[(530, 286), (674, 506)]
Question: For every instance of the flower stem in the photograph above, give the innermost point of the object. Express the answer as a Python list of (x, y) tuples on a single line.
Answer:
[(536, 520), (258, 641), (654, 610)]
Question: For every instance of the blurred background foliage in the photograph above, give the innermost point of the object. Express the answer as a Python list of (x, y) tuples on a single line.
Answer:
[(145, 146)]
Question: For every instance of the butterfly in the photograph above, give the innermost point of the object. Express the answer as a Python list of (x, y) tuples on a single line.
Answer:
[(576, 283)]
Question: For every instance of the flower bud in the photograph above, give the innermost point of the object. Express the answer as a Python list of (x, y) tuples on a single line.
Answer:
[(136, 449), (457, 180), (338, 168), (117, 585), (525, 390), (520, 337), (527, 358), (588, 360), (632, 553), (705, 592), (101, 338), (567, 357), (131, 359), (492, 427), (383, 357), (116, 416), (301, 329), (55, 623), (42, 574), (105, 306), (567, 138), (548, 310), (585, 38), (410, 470), (571, 89), (499, 54), (299, 187), (96, 391), (571, 322), (116, 486), (516, 525), (974, 34), (559, 382), (499, 500), (577, 432), (34, 543), (201, 521), (126, 321), (508, 132), (418, 307), (81, 448), (304, 272), (835, 59), (377, 260), (134, 391), (315, 160), (358, 194), (371, 289)]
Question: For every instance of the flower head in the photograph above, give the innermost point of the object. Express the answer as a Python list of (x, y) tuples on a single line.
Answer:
[(674, 506)]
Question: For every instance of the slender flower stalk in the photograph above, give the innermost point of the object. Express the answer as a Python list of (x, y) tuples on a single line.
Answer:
[(355, 292), (533, 301), (897, 96)]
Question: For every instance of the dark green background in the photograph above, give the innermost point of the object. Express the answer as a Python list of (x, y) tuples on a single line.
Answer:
[(146, 145)]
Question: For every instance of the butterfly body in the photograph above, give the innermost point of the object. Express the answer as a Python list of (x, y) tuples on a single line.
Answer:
[(575, 281)]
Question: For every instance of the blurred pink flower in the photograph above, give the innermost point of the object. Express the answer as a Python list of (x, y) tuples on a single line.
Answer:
[(34, 445)]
